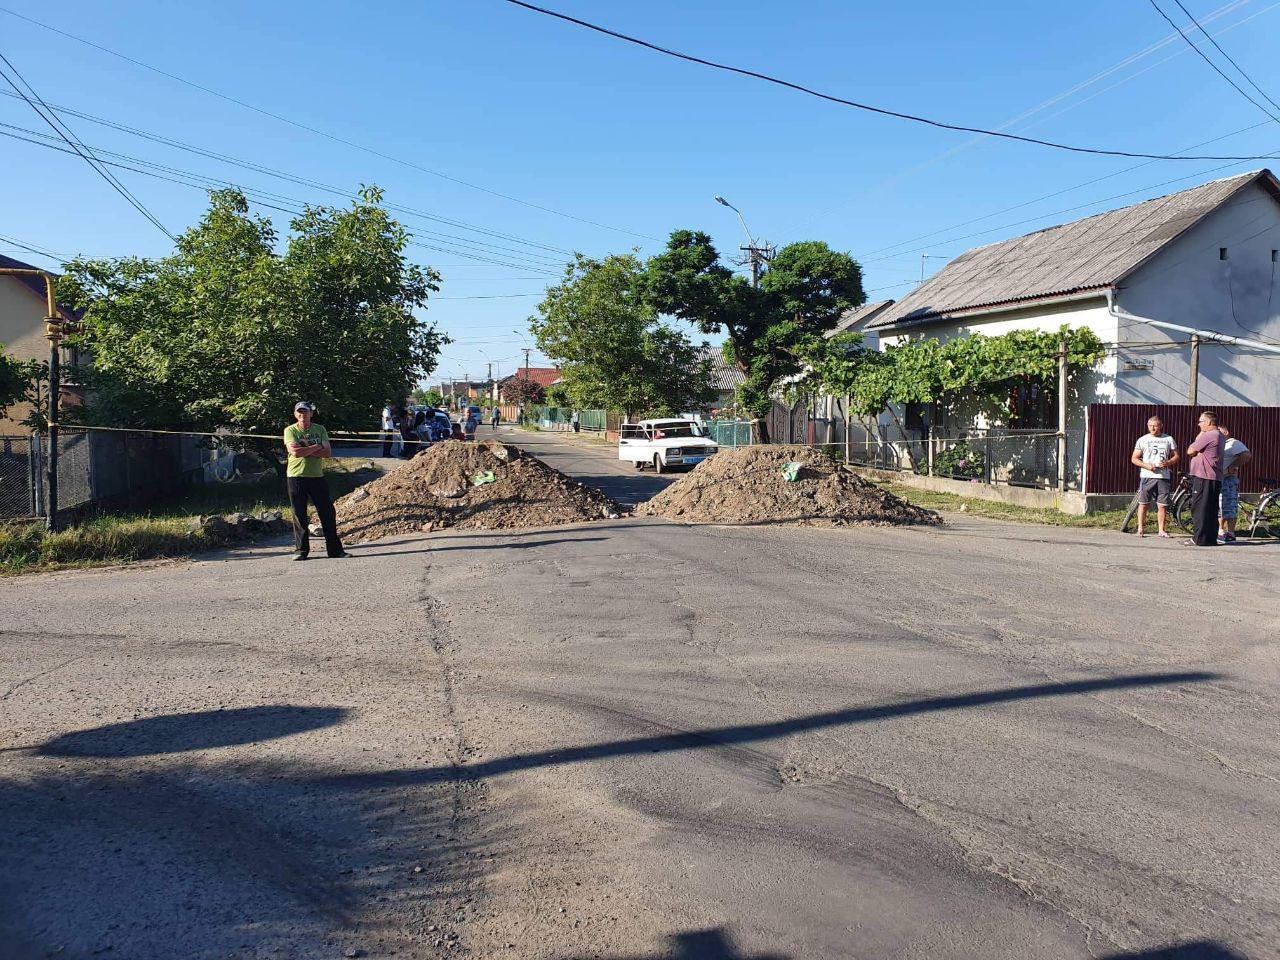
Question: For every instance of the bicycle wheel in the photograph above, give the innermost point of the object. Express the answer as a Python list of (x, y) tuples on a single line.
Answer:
[(1265, 521), (1180, 508)]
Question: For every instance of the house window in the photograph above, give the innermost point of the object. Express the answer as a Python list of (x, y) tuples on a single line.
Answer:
[(1222, 253), (1033, 406), (915, 416), (1273, 255)]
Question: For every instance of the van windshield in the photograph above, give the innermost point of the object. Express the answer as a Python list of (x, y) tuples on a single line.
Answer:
[(678, 428)]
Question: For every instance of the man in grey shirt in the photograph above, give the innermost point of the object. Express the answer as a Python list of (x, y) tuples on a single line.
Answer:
[(1154, 454)]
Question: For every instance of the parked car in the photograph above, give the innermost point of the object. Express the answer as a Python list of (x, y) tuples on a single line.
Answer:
[(664, 444)]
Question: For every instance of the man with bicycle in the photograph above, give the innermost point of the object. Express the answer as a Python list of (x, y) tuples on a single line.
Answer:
[(1154, 454)]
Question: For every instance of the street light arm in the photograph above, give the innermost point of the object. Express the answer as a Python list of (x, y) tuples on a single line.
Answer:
[(741, 219)]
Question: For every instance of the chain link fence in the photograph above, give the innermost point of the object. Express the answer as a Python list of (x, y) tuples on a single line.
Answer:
[(98, 468)]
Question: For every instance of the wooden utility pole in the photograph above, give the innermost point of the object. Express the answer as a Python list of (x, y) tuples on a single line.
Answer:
[(1062, 415), (1193, 388)]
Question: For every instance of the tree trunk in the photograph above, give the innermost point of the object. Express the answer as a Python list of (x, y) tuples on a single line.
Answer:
[(911, 455), (760, 430)]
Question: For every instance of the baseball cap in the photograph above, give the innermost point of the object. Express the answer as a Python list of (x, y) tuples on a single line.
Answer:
[(303, 405)]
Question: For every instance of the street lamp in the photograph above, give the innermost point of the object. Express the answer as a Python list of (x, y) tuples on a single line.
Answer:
[(741, 219), (757, 254)]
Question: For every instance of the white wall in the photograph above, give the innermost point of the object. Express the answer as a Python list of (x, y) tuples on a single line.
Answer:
[(1187, 283)]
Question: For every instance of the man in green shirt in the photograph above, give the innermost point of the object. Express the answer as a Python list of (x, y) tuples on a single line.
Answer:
[(308, 445)]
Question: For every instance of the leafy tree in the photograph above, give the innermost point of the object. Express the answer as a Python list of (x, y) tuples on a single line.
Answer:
[(428, 398), (226, 332), (524, 391), (768, 329), (612, 349), (558, 395), (19, 382)]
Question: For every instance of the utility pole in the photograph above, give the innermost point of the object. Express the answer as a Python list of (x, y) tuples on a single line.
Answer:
[(756, 253), (53, 332), (1062, 415), (1193, 388)]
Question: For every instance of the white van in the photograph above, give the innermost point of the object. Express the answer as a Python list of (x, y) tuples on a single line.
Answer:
[(664, 443)]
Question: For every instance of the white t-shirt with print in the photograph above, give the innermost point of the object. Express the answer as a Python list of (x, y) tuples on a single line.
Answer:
[(1155, 449)]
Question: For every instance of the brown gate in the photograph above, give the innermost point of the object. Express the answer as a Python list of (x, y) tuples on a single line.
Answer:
[(1114, 427)]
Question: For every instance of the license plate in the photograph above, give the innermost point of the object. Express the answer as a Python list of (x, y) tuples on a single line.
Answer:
[(694, 459)]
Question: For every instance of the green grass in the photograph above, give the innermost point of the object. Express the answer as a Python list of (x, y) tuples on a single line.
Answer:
[(163, 530), (950, 502)]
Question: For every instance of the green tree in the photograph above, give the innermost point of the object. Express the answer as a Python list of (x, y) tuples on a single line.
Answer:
[(19, 381), (768, 329), (524, 391), (612, 349), (226, 332), (428, 398)]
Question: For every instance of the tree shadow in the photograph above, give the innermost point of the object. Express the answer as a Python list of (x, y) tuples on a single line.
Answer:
[(731, 736), (1192, 950), (182, 732), (356, 550)]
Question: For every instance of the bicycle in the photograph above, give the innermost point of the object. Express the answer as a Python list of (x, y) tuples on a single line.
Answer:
[(1179, 507), (1264, 516)]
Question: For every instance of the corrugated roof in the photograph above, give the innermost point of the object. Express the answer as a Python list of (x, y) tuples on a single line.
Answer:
[(35, 284), (725, 376), (859, 317), (1089, 254)]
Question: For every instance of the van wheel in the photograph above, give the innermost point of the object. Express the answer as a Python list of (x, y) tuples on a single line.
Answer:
[(657, 463)]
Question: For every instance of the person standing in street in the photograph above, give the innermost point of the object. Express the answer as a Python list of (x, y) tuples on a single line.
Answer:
[(1234, 456), (1206, 481), (1154, 454), (308, 446), (577, 424), (494, 416), (388, 429)]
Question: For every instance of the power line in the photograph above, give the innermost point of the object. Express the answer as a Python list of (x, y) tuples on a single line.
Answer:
[(185, 178), (65, 132), (33, 249), (1218, 47), (319, 132), (831, 98), (289, 177), (1205, 57), (495, 296)]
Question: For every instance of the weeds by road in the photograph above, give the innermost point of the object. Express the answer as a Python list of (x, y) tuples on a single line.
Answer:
[(165, 529), (951, 502)]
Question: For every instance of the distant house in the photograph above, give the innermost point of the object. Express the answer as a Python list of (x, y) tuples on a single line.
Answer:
[(725, 378), (22, 311), (543, 376), (1142, 278), (859, 319)]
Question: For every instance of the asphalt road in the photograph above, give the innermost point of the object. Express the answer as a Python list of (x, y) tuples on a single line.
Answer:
[(637, 739)]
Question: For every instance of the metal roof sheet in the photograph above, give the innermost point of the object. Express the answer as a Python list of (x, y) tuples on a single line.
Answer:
[(1089, 254)]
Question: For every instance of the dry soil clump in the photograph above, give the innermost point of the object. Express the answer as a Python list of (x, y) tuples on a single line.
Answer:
[(471, 486), (750, 485)]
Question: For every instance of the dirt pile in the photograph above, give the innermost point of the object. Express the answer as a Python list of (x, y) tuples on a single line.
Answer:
[(472, 486), (751, 485)]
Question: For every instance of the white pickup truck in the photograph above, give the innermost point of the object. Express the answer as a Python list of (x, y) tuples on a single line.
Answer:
[(664, 444)]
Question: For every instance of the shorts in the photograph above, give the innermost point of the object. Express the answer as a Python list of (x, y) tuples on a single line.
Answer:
[(1157, 485), (1229, 499)]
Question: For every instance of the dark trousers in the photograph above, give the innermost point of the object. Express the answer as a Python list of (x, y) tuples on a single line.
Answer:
[(1204, 511), (387, 439), (316, 489)]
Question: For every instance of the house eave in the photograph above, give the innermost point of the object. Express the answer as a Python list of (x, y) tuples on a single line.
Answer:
[(1004, 306)]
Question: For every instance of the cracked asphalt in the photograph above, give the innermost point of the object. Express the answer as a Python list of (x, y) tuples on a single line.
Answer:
[(637, 739)]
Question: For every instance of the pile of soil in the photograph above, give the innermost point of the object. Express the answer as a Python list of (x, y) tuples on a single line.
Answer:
[(471, 486), (749, 485)]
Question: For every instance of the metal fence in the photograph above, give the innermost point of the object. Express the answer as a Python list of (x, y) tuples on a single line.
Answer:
[(97, 468), (1019, 458), (561, 418), (730, 433)]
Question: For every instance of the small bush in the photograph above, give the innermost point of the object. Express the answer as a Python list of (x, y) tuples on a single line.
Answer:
[(962, 462)]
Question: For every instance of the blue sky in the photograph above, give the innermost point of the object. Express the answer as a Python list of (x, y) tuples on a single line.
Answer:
[(560, 118)]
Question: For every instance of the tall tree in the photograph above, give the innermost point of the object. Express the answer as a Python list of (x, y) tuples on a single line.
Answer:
[(226, 332), (802, 294), (612, 349)]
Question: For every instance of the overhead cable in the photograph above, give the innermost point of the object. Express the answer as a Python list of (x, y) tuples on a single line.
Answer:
[(1217, 46), (857, 105), (66, 134), (1206, 58), (318, 131)]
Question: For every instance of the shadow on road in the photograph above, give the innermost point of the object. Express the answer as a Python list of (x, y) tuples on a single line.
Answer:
[(181, 732), (755, 732), (713, 944), (1194, 950), (357, 551)]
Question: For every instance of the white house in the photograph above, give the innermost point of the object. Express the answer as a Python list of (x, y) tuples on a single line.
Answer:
[(1204, 259)]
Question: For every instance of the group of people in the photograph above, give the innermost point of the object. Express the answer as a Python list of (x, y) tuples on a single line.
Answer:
[(1215, 459), (404, 431)]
